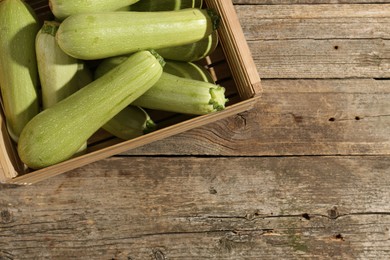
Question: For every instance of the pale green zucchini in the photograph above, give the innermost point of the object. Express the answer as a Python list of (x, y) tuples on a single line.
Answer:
[(181, 95), (175, 94), (58, 72), (64, 8), (58, 132), (131, 122), (18, 66), (192, 51), (188, 70), (60, 75), (101, 35), (164, 5)]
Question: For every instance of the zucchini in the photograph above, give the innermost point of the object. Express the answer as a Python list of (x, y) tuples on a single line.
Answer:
[(181, 95), (101, 35), (55, 134), (131, 122), (192, 51), (64, 8), (18, 65), (175, 94), (164, 5), (58, 72), (188, 70)]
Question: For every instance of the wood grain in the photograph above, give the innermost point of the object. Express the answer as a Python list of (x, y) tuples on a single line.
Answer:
[(318, 41), (177, 208), (306, 2), (254, 185), (295, 117)]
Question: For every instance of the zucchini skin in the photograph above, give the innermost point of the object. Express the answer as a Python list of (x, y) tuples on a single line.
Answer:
[(58, 132), (102, 35), (174, 93), (164, 5), (64, 8), (58, 72), (183, 95), (188, 70), (192, 51), (130, 123), (18, 65)]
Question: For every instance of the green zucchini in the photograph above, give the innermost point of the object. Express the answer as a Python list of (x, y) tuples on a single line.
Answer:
[(55, 134), (164, 5), (175, 94), (64, 8), (188, 70), (58, 72), (131, 122), (181, 95), (192, 51), (101, 35), (18, 65)]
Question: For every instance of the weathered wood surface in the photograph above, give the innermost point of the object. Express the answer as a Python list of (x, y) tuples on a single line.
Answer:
[(318, 41), (296, 117), (197, 208), (252, 186), (297, 2)]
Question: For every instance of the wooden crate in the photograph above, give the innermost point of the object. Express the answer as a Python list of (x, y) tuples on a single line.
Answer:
[(231, 65)]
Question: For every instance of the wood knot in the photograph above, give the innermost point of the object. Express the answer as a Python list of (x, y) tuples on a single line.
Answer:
[(333, 213), (212, 190), (241, 119), (5, 216), (158, 254)]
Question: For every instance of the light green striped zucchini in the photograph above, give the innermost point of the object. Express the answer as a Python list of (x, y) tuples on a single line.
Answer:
[(131, 122), (58, 72), (60, 75), (55, 134), (175, 94), (64, 8), (192, 51), (100, 35), (18, 66), (182, 95), (165, 5)]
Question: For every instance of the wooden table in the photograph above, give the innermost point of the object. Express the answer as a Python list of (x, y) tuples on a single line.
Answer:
[(306, 174)]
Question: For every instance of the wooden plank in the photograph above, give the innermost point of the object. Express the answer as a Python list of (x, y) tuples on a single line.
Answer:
[(318, 41), (295, 117), (306, 2), (196, 208), (317, 11), (322, 58)]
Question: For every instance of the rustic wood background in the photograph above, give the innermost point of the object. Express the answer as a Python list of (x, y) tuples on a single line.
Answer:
[(306, 174)]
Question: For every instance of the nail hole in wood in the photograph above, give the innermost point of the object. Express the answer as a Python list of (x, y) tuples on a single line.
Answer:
[(336, 47), (332, 119), (306, 216), (357, 118)]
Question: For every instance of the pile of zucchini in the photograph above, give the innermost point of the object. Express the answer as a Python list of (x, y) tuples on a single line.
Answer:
[(144, 55)]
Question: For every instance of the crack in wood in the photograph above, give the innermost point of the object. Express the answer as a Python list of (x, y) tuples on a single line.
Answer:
[(332, 214)]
